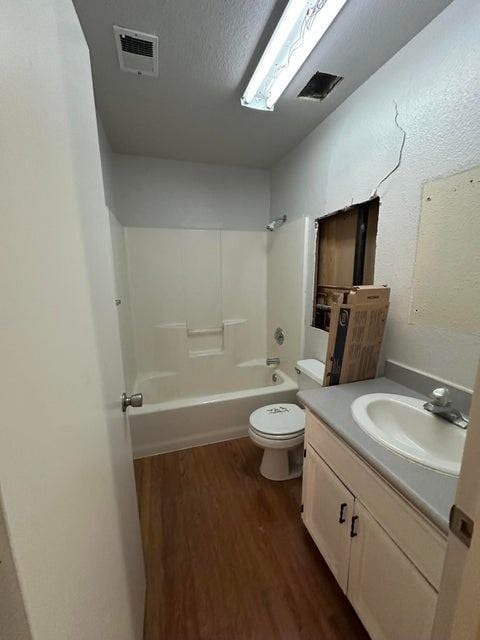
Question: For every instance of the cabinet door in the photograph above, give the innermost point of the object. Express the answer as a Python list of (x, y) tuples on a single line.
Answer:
[(391, 597), (327, 511)]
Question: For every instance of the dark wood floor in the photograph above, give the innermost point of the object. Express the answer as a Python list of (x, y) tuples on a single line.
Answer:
[(227, 555)]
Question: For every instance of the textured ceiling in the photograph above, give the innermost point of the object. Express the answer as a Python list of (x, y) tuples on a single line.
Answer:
[(207, 52)]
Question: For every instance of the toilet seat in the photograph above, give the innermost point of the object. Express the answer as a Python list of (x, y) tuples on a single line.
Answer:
[(278, 421), (279, 429), (274, 438)]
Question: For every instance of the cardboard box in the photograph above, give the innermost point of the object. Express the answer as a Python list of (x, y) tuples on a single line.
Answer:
[(357, 325), (326, 297)]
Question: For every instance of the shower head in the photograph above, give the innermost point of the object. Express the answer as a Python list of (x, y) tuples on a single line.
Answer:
[(275, 224)]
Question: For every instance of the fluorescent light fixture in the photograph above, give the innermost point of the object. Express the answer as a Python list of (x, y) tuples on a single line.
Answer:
[(300, 28)]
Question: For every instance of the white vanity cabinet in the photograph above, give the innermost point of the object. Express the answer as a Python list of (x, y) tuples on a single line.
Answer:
[(327, 510), (386, 556), (390, 595)]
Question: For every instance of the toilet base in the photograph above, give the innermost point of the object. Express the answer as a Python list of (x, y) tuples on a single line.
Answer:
[(282, 464)]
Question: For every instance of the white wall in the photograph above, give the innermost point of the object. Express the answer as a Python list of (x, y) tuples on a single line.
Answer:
[(184, 279), (66, 471), (122, 293), (435, 79), (151, 192), (286, 292)]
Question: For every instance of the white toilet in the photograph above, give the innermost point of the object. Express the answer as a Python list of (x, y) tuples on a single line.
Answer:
[(279, 428)]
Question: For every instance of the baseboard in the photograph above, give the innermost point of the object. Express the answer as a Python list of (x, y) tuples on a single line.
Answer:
[(178, 444)]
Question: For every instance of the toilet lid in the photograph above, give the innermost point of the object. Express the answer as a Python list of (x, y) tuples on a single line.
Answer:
[(278, 419)]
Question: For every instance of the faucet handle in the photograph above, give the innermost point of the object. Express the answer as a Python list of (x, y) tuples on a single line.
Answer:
[(440, 397)]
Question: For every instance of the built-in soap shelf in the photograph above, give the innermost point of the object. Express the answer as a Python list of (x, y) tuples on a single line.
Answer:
[(205, 341), (203, 332), (176, 342), (212, 341)]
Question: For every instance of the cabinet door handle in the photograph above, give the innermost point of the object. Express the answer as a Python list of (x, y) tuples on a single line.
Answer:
[(341, 517), (353, 531)]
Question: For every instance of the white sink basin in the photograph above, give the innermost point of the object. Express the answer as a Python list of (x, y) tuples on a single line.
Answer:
[(404, 426)]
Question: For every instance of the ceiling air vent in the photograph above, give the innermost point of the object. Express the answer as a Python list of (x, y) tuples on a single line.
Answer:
[(137, 51), (319, 86)]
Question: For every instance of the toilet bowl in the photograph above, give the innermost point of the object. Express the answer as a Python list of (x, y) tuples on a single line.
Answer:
[(279, 429)]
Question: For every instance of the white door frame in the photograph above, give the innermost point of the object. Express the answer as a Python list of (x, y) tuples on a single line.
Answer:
[(458, 609)]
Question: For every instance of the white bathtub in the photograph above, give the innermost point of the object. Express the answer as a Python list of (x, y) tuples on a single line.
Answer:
[(168, 421)]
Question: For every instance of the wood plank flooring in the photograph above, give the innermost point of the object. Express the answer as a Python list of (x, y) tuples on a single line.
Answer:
[(227, 555)]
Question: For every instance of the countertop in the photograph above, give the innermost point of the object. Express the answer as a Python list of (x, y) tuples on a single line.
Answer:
[(433, 493)]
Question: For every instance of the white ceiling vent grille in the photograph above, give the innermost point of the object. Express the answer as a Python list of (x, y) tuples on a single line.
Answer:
[(137, 51)]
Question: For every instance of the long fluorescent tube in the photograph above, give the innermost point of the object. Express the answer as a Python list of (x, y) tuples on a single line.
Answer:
[(298, 31)]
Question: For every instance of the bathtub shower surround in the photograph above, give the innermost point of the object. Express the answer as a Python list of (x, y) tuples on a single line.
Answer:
[(198, 300), (122, 296), (286, 291), (199, 322)]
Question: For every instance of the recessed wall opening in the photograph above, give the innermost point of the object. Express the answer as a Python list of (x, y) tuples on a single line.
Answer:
[(319, 86), (345, 255)]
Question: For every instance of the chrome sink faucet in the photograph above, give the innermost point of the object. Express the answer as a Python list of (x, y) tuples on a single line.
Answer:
[(441, 406), (275, 361)]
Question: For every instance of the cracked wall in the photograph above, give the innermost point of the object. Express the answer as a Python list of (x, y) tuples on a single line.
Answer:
[(435, 80)]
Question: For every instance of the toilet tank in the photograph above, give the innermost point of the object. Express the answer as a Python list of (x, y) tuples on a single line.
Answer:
[(310, 374)]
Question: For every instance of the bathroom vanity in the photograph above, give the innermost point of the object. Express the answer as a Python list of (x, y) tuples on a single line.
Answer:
[(379, 520)]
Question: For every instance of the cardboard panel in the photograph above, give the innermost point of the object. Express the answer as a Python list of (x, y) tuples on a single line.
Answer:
[(337, 249), (357, 326), (446, 286)]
